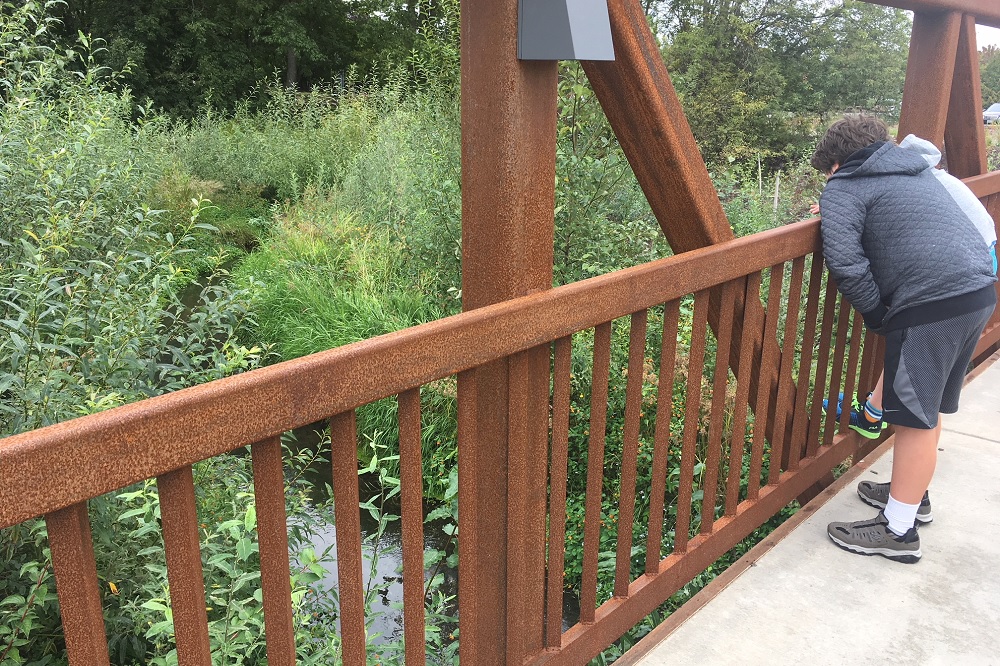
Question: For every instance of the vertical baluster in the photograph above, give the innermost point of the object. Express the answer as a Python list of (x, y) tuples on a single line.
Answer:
[(661, 434), (412, 522), (344, 451), (822, 367), (767, 362), (720, 383), (737, 444), (785, 381), (852, 366), (630, 451), (469, 617), (595, 470), (272, 535), (77, 586), (526, 503), (557, 491), (837, 373), (187, 583), (800, 431), (690, 447)]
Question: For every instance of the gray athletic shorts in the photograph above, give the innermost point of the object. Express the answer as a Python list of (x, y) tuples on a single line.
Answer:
[(925, 367)]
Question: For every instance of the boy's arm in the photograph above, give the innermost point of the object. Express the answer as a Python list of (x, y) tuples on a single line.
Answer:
[(843, 219)]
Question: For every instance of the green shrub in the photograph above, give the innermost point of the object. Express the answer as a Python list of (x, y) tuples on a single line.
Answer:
[(298, 139), (603, 222), (89, 276), (91, 314), (407, 180)]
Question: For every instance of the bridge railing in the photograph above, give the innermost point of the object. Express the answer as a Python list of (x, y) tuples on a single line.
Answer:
[(743, 447), (987, 188), (728, 449)]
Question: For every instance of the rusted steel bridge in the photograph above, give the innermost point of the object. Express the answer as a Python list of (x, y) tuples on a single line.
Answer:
[(784, 341)]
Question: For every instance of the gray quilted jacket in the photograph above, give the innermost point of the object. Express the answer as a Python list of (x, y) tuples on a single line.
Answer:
[(894, 238)]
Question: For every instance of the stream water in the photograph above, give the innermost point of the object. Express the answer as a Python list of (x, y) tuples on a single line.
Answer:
[(389, 563)]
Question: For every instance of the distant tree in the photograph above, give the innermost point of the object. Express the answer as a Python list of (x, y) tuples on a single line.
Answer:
[(184, 53), (756, 75), (861, 65), (989, 67)]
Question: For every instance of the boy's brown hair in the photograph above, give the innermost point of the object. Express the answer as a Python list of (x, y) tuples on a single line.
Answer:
[(845, 137)]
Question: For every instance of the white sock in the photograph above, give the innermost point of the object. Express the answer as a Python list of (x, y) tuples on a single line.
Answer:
[(900, 516)]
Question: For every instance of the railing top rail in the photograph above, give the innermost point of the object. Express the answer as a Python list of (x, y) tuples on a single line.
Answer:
[(56, 466), (984, 185), (60, 465)]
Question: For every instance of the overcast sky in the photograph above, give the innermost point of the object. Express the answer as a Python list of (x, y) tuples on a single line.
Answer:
[(987, 36)]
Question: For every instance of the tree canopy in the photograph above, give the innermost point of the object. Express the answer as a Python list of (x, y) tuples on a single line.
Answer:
[(752, 72), (989, 64), (757, 77), (183, 54)]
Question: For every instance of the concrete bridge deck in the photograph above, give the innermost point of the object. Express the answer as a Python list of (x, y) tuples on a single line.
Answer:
[(805, 601)]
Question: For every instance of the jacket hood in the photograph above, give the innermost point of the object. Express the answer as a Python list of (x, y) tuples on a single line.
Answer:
[(881, 159), (922, 147)]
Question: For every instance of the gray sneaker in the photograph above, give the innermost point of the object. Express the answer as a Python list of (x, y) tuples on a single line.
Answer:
[(877, 495), (873, 537)]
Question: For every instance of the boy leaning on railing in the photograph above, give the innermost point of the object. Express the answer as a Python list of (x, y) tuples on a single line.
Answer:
[(905, 243)]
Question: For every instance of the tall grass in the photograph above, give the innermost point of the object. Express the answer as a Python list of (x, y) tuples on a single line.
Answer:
[(323, 280), (297, 139)]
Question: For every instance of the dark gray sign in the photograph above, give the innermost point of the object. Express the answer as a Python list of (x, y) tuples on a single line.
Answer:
[(564, 30)]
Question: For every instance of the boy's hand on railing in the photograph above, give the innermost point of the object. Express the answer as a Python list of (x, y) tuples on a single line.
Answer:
[(814, 209)]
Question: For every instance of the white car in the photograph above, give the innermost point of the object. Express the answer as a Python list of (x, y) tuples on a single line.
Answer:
[(992, 114)]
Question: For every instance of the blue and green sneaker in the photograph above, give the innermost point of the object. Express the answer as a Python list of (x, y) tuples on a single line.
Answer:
[(859, 422)]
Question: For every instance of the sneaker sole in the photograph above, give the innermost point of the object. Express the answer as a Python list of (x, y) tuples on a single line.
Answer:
[(905, 558), (867, 433), (921, 518)]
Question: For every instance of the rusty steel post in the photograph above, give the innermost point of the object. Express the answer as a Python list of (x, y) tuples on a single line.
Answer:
[(639, 99), (272, 537), (411, 486), (508, 202), (964, 133), (350, 570), (182, 550), (929, 73)]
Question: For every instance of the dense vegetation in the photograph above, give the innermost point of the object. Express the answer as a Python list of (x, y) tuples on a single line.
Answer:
[(184, 54), (200, 193)]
